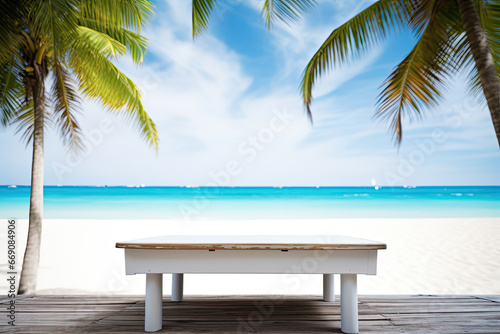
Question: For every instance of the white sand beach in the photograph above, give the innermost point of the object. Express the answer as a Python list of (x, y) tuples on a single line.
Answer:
[(423, 256)]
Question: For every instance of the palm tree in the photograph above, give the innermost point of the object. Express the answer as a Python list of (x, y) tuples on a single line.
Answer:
[(69, 46), (452, 35)]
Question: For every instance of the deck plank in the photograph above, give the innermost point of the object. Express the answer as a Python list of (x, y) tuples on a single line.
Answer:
[(255, 314)]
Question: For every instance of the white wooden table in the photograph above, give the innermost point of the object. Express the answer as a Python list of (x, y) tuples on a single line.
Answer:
[(272, 254)]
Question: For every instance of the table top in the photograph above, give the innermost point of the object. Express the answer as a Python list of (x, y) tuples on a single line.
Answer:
[(252, 242)]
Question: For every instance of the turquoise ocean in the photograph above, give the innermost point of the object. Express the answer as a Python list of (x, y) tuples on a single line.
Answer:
[(82, 202)]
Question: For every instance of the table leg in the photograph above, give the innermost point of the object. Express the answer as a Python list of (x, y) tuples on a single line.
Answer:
[(177, 287), (154, 294), (349, 303), (328, 290)]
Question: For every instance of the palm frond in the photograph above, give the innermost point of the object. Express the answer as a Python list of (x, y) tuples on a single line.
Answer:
[(201, 15), (418, 81), (352, 38), (12, 14), (67, 104), (288, 11), (128, 14), (55, 20), (421, 12), (462, 58), (25, 120), (135, 43), (11, 90), (99, 42), (100, 79), (135, 13)]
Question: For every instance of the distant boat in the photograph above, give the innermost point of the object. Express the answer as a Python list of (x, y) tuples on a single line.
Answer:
[(192, 186), (12, 186)]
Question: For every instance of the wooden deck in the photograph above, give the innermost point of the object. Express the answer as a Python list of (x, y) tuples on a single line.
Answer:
[(254, 314)]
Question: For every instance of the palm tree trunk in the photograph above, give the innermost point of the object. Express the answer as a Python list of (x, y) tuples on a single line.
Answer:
[(29, 273), (484, 60)]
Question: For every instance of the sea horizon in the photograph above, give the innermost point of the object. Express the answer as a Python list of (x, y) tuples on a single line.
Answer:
[(250, 202), (142, 185)]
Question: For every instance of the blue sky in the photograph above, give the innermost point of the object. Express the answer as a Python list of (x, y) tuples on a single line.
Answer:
[(229, 113)]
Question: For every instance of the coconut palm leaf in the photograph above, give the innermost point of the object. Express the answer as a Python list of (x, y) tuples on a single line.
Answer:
[(12, 13), (288, 11), (53, 25), (11, 90), (25, 119), (100, 79), (201, 15), (135, 43), (351, 39), (115, 19), (418, 81), (67, 104), (127, 14), (100, 42)]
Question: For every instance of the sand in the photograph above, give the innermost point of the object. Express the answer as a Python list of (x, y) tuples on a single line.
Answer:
[(423, 256)]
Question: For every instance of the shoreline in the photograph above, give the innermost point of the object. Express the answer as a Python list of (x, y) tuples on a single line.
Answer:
[(423, 255)]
